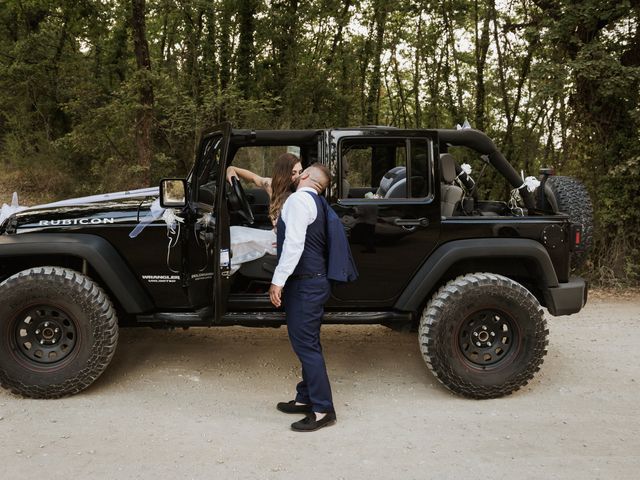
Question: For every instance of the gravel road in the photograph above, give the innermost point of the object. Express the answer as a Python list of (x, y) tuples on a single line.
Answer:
[(200, 404)]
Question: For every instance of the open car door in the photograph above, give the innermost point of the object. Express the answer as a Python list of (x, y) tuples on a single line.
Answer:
[(208, 259)]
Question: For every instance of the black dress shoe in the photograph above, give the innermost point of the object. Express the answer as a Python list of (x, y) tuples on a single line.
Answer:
[(310, 424), (291, 407)]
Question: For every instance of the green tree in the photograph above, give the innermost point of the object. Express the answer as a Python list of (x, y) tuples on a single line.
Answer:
[(111, 94)]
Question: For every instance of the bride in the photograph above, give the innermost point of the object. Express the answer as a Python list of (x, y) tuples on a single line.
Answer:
[(247, 243)]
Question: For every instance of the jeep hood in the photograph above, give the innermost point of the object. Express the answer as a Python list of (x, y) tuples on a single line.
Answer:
[(75, 207)]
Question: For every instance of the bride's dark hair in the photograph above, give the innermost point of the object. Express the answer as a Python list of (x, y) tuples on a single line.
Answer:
[(281, 183)]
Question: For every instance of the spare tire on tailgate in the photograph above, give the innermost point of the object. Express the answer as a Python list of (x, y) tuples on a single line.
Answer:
[(568, 195)]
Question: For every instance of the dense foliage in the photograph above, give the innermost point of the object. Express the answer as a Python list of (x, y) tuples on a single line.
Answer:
[(104, 94)]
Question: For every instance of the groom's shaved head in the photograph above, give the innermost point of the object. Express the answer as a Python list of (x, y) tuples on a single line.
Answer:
[(320, 174)]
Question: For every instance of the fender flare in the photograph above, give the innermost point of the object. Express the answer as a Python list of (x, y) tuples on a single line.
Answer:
[(97, 251), (450, 253)]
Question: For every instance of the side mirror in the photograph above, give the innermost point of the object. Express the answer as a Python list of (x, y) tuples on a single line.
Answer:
[(173, 192)]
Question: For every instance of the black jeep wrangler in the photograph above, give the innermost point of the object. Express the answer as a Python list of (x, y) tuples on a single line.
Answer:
[(470, 274)]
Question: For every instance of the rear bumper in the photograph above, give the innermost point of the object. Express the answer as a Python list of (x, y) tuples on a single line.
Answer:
[(566, 298)]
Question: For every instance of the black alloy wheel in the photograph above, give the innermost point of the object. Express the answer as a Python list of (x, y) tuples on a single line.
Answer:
[(486, 338), (44, 335)]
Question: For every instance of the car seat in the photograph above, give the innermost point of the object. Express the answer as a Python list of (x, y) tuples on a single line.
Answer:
[(450, 194), (394, 184)]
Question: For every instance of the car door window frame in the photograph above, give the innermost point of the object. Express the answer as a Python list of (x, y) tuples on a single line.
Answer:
[(408, 143)]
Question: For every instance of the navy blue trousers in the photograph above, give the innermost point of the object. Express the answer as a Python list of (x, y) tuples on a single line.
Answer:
[(303, 301)]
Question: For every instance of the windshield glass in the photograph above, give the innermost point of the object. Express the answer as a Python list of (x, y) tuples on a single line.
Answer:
[(209, 160)]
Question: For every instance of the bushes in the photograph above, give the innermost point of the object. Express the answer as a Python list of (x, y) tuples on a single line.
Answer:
[(616, 258)]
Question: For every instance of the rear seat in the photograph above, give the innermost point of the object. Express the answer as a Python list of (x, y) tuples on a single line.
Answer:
[(450, 194)]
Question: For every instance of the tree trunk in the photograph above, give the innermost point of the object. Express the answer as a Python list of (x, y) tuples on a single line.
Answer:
[(451, 68), (193, 21), (210, 66), (506, 105), (482, 47), (224, 45), (163, 34), (246, 49), (285, 54), (342, 20), (344, 104), (433, 73), (524, 74), (144, 115), (373, 98), (416, 76), (454, 111), (458, 107), (394, 116), (401, 93), (365, 55)]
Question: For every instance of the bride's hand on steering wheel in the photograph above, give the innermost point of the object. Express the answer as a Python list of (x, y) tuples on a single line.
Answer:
[(231, 172)]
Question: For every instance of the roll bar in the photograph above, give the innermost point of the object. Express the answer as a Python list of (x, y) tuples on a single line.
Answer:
[(480, 142)]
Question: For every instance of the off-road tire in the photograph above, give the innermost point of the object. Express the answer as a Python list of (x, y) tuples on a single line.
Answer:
[(488, 307), (58, 332), (571, 197)]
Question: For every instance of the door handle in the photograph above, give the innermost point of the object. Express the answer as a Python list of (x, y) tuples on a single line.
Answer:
[(411, 222)]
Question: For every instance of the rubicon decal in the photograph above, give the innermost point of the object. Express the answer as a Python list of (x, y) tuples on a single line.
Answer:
[(76, 221)]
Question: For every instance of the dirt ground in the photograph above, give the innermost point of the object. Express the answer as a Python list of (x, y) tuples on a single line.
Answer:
[(200, 404)]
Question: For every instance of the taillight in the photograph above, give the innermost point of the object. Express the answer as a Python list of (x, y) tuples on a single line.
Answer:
[(576, 233)]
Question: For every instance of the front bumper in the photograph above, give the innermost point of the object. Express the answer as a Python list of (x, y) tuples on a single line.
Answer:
[(567, 298)]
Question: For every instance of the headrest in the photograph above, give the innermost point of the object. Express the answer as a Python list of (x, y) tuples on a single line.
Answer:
[(447, 167)]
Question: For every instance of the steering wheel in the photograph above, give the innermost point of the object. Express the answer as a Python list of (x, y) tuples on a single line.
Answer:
[(238, 200)]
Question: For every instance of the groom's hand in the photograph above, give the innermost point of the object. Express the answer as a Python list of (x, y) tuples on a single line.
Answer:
[(275, 295)]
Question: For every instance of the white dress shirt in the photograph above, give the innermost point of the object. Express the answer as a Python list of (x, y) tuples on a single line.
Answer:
[(298, 212)]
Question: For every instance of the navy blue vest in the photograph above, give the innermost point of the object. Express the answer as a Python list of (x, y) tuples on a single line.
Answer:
[(314, 255)]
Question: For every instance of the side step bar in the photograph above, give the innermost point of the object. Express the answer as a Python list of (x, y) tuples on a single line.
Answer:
[(199, 318), (204, 318), (339, 318)]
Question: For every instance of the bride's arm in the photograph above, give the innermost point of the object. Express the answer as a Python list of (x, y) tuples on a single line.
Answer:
[(249, 176)]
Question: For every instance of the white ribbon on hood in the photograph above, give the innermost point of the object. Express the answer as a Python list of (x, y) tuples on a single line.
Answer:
[(103, 197), (7, 210)]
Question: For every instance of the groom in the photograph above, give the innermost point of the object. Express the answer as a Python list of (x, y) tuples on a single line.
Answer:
[(300, 284)]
